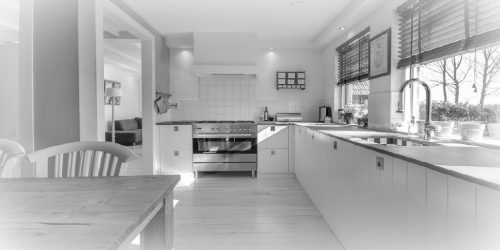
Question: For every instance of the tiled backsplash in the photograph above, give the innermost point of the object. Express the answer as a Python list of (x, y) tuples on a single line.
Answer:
[(235, 98)]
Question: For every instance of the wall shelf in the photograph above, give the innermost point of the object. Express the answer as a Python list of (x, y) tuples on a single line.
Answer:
[(291, 80)]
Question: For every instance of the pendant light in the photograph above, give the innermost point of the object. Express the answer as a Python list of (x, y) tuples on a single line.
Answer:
[(474, 86)]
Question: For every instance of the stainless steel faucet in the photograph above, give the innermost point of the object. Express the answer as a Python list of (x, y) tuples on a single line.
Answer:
[(428, 107)]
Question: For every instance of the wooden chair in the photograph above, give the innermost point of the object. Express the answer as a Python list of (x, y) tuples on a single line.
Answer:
[(9, 149), (82, 159)]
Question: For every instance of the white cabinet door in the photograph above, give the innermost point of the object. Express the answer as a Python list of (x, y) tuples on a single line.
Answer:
[(437, 206), (399, 204), (272, 160), (417, 176), (176, 149), (461, 214), (488, 219), (380, 167), (178, 162), (272, 136), (361, 197), (177, 136)]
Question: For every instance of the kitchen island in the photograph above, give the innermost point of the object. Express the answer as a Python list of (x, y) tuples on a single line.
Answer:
[(399, 197)]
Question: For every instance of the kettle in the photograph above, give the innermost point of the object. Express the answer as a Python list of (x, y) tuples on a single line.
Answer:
[(324, 111)]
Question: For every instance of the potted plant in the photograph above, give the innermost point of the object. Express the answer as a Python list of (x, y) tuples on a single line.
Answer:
[(442, 117), (354, 111)]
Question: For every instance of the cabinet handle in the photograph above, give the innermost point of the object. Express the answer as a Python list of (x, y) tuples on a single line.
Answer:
[(273, 152), (313, 136), (334, 145), (380, 163), (176, 153)]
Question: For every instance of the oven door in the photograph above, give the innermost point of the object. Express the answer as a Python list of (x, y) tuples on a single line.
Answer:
[(225, 146)]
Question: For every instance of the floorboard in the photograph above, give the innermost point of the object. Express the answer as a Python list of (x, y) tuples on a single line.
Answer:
[(232, 211)]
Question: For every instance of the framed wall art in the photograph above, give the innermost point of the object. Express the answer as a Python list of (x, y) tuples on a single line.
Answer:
[(380, 54), (111, 84)]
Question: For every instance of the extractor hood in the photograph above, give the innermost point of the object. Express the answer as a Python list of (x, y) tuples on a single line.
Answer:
[(225, 54)]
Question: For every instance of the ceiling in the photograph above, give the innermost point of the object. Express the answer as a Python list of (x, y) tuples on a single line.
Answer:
[(301, 22), (123, 53)]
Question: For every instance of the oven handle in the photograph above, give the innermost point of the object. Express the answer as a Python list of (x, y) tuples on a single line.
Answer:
[(224, 136)]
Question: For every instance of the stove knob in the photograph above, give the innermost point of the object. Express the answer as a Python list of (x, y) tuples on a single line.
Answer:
[(212, 129), (227, 129), (249, 130)]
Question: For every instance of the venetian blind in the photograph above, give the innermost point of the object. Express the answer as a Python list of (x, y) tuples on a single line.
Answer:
[(443, 28), (352, 58)]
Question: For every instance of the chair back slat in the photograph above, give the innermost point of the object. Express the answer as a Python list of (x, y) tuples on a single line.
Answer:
[(82, 159)]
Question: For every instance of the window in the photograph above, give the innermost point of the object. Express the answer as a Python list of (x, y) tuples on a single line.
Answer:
[(433, 29), (455, 44), (353, 72), (353, 59)]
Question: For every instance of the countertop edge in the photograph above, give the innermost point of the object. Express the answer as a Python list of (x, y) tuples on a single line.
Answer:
[(415, 161)]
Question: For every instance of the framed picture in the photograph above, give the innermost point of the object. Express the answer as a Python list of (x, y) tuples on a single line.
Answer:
[(111, 84), (380, 54)]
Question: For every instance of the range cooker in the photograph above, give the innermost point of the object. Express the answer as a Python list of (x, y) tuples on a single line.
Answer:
[(225, 146)]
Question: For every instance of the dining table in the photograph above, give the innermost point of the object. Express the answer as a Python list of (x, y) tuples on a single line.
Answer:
[(87, 212)]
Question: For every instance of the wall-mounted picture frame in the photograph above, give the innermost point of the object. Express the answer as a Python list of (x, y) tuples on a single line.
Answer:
[(380, 54), (111, 84)]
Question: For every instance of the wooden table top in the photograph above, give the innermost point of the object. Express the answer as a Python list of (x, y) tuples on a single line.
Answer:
[(78, 213)]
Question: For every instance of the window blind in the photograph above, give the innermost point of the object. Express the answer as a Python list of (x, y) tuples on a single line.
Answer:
[(353, 58), (443, 28)]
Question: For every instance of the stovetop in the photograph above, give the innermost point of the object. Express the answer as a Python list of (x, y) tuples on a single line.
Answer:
[(225, 129)]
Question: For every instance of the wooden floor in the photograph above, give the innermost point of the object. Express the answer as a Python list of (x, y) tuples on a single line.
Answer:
[(228, 211)]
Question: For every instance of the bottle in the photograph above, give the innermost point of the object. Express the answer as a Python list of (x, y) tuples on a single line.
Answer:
[(266, 115)]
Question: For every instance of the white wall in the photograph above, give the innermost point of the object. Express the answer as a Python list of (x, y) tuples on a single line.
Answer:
[(131, 101), (221, 98), (383, 90), (9, 92), (55, 73)]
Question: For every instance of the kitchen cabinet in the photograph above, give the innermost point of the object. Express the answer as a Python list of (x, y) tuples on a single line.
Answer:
[(399, 204), (380, 190), (273, 155), (273, 160), (436, 210), (375, 201), (176, 149), (488, 219), (416, 194), (461, 214)]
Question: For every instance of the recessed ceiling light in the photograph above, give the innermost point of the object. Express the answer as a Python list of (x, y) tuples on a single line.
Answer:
[(342, 27), (271, 48)]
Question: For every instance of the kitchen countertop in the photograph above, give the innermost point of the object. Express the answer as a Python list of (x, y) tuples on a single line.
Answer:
[(475, 164)]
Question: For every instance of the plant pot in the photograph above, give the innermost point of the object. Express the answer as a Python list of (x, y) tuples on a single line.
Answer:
[(471, 131), (494, 130), (349, 118), (444, 128)]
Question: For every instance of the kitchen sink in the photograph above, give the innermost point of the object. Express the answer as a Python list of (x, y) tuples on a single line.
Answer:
[(397, 141)]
